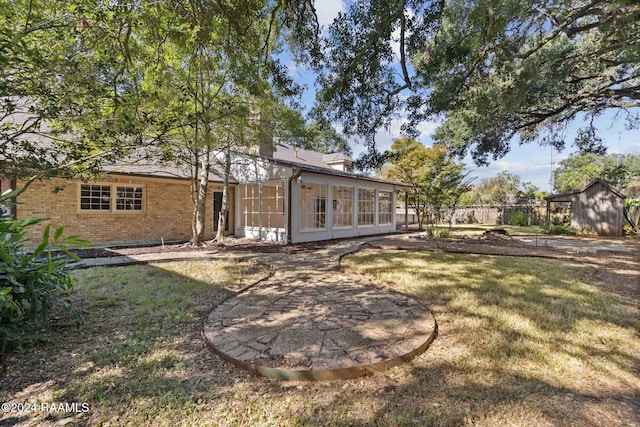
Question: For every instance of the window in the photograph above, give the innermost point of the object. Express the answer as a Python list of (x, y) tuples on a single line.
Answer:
[(385, 207), (250, 205), (95, 197), (273, 205), (129, 199), (366, 206), (99, 198), (313, 206), (262, 205), (342, 206)]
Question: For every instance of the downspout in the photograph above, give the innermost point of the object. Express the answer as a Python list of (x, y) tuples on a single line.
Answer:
[(296, 175)]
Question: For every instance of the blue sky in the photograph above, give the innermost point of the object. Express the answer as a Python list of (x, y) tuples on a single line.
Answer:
[(532, 162)]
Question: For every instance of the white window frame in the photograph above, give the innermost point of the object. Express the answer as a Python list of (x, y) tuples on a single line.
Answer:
[(336, 201), (390, 212), (315, 213), (360, 212)]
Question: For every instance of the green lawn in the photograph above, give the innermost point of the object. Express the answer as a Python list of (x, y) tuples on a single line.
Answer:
[(521, 342)]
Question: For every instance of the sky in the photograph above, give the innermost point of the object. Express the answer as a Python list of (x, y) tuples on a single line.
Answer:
[(532, 162)]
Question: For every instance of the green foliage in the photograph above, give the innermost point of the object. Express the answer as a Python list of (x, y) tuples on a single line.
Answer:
[(504, 189), (438, 180), (32, 282), (68, 88), (498, 72), (443, 233), (520, 219), (631, 202), (212, 83), (576, 171), (562, 229), (88, 82), (322, 137)]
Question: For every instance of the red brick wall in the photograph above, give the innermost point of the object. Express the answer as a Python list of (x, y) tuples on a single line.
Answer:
[(167, 214)]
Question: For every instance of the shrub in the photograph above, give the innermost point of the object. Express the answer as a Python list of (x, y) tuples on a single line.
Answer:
[(520, 219), (562, 229), (443, 233), (31, 282)]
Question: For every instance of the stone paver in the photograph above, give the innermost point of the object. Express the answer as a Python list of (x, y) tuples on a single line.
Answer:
[(309, 322)]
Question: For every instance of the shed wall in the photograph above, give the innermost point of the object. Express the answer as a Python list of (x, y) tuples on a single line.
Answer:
[(597, 211)]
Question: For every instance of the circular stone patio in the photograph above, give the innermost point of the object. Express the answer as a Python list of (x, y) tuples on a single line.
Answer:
[(297, 328)]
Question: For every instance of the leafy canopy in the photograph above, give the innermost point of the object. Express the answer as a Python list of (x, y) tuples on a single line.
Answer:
[(82, 81), (491, 70), (504, 189), (438, 180), (576, 171)]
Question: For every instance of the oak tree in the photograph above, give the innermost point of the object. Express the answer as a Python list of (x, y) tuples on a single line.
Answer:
[(495, 73)]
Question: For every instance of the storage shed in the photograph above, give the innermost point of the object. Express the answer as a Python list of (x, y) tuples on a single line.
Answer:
[(598, 209)]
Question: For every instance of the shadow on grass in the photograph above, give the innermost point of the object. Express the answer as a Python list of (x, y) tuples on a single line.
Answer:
[(140, 353), (512, 326), (544, 348)]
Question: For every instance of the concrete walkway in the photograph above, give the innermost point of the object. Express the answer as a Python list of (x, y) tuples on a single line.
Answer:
[(308, 321)]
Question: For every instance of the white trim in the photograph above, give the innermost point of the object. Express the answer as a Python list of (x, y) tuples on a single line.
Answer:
[(353, 202), (326, 215), (375, 207)]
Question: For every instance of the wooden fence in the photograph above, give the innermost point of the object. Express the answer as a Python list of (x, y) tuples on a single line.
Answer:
[(500, 215)]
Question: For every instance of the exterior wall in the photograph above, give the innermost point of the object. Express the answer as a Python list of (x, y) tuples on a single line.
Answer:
[(166, 214), (299, 236), (255, 171), (597, 211)]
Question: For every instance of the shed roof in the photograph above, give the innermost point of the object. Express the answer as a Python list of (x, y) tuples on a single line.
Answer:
[(566, 197)]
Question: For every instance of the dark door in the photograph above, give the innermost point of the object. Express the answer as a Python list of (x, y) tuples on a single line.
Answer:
[(217, 207)]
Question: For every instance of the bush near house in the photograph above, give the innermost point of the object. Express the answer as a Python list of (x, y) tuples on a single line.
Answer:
[(31, 283)]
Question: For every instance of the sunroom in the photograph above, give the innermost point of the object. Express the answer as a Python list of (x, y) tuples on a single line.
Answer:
[(288, 201)]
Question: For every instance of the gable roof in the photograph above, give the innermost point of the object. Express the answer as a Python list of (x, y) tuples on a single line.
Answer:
[(289, 153), (557, 197), (312, 161)]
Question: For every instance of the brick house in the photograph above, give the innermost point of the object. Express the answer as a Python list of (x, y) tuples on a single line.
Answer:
[(284, 195), (129, 204)]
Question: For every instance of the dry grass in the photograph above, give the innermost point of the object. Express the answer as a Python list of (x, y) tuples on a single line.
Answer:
[(521, 336), (521, 342)]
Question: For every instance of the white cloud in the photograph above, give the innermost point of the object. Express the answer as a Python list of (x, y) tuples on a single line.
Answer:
[(530, 162), (327, 10)]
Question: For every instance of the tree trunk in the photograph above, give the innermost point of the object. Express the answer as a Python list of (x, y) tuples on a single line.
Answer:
[(199, 211), (222, 218)]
